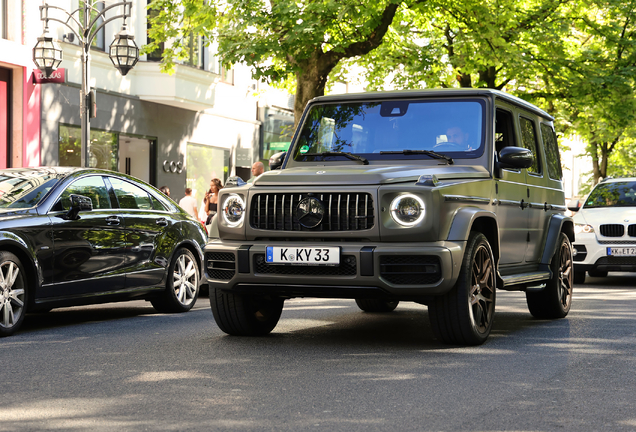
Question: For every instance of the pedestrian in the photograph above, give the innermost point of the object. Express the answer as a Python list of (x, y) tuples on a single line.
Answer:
[(188, 203), (211, 199), (257, 169), (165, 190)]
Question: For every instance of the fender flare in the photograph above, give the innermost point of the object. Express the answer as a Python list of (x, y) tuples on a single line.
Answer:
[(466, 218), (558, 223)]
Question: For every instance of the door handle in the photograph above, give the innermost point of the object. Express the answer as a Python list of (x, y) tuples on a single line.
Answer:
[(162, 222), (113, 220)]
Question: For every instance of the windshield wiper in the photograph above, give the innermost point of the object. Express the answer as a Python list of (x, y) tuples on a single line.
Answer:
[(432, 154), (351, 156)]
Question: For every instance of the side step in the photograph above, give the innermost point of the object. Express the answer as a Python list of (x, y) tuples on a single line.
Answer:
[(532, 278)]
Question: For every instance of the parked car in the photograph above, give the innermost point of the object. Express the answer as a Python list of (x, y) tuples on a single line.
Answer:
[(605, 225), (439, 197), (74, 236)]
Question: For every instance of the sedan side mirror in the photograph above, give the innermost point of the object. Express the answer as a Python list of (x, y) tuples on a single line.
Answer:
[(78, 203), (574, 205), (276, 160)]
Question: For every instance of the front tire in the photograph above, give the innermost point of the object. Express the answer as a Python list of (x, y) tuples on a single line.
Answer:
[(555, 299), (13, 293), (376, 305), (182, 287), (245, 315), (465, 314), (579, 277), (597, 273)]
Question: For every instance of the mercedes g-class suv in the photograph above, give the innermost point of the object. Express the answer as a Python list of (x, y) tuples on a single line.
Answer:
[(438, 197)]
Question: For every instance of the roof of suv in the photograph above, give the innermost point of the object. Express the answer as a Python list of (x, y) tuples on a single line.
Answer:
[(348, 97), (617, 179)]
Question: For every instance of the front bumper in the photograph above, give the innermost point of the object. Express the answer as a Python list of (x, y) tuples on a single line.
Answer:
[(384, 270), (591, 254)]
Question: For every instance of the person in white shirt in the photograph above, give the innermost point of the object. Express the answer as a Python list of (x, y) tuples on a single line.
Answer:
[(188, 203)]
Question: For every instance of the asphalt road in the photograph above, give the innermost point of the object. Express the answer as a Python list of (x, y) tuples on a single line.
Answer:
[(327, 366)]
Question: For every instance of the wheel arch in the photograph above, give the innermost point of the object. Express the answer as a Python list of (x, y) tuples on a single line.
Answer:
[(558, 224), (28, 262), (476, 219)]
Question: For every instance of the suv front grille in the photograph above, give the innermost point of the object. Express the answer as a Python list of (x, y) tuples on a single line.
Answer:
[(612, 230), (343, 211)]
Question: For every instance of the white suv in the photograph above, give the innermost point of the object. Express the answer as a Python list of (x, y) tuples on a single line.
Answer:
[(605, 228)]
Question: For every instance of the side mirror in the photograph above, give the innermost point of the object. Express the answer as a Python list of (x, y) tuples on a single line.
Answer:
[(276, 160), (574, 205), (78, 203), (234, 181), (515, 157)]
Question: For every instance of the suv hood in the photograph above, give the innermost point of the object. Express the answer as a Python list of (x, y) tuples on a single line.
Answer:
[(606, 215), (365, 174)]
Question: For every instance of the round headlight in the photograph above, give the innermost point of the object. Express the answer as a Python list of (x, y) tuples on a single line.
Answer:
[(233, 210), (407, 210)]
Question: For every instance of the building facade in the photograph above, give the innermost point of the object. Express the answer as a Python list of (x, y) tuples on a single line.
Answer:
[(19, 97), (177, 130)]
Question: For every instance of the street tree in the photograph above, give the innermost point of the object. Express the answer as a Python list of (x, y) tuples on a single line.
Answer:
[(280, 39)]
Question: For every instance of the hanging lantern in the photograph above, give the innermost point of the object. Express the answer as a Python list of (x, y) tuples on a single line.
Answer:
[(124, 52), (47, 54)]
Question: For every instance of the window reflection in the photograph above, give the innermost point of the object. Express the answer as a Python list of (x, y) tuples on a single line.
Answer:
[(103, 148)]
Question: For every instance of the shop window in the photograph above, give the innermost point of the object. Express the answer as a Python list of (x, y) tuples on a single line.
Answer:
[(278, 128), (3, 19), (103, 148), (157, 53), (203, 163)]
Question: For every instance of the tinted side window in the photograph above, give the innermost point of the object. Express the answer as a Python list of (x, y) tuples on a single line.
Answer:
[(552, 152), (92, 187), (529, 141), (156, 204), (131, 196), (504, 130)]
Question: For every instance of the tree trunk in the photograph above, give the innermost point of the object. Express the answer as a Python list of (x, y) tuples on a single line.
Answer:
[(310, 81)]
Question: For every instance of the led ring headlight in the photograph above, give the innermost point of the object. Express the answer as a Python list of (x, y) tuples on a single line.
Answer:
[(407, 210), (233, 210)]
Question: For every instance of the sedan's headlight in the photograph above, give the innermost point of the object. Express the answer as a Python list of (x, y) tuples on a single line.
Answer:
[(407, 210), (583, 228), (233, 210)]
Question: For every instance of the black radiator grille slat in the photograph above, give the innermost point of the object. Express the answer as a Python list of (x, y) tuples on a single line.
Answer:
[(343, 212), (631, 230), (612, 230)]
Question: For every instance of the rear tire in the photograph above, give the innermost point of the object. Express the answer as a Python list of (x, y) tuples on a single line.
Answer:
[(245, 315), (465, 314), (597, 273), (13, 293), (555, 299), (376, 305), (182, 287), (579, 277)]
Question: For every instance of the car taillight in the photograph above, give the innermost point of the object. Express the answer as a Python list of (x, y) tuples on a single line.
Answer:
[(204, 227)]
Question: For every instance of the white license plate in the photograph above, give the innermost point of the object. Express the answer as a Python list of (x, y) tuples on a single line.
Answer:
[(621, 251), (312, 255)]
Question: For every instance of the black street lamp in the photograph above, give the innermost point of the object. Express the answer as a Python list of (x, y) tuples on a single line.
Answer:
[(124, 53)]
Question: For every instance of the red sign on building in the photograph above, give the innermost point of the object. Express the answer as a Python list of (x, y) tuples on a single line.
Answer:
[(58, 76)]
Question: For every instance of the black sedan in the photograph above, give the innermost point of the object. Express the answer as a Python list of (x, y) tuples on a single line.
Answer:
[(77, 236)]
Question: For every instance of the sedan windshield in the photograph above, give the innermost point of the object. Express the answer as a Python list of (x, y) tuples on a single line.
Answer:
[(615, 194), (24, 189), (384, 130)]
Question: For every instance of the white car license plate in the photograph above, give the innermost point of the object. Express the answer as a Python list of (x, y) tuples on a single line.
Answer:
[(621, 251), (312, 255)]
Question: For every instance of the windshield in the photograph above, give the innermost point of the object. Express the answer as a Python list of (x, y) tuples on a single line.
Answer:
[(24, 189), (383, 130), (615, 194)]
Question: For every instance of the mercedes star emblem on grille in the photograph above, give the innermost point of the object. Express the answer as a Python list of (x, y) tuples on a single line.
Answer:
[(309, 212)]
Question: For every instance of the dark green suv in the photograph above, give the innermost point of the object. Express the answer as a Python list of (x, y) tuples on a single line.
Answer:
[(437, 197)]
